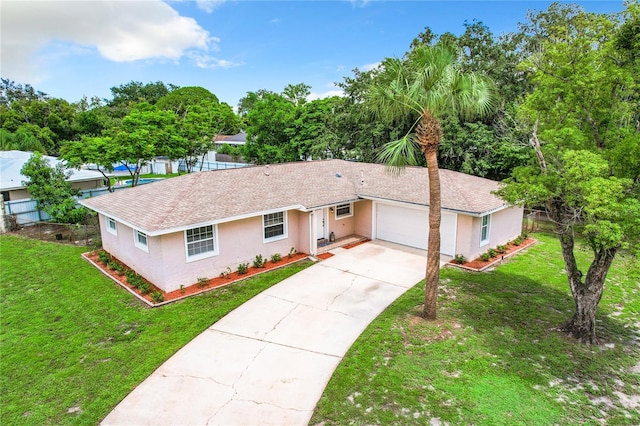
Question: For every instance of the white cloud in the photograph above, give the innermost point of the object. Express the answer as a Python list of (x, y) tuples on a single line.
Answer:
[(359, 3), (202, 60), (369, 67), (209, 5), (329, 93), (121, 31)]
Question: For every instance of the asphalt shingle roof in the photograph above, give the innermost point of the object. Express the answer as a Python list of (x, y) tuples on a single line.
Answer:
[(214, 196)]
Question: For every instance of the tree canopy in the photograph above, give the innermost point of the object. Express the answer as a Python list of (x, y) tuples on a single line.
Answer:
[(49, 187), (582, 116)]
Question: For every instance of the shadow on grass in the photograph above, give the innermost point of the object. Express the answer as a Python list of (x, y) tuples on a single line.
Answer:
[(520, 318)]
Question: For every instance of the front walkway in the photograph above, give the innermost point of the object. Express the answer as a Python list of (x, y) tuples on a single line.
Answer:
[(268, 361)]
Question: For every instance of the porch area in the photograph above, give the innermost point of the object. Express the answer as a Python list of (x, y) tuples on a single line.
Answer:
[(324, 245)]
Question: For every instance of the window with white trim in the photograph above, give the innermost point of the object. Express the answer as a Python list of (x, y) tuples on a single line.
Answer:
[(274, 226), (484, 229), (201, 242), (140, 240), (112, 225), (344, 210)]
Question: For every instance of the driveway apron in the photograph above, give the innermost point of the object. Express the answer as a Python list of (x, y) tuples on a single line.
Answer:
[(269, 360)]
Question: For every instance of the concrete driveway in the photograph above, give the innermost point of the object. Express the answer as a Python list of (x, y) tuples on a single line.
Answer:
[(269, 360)]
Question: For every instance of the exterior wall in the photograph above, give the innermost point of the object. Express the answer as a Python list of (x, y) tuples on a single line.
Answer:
[(342, 227), (363, 213), (122, 246), (304, 234), (23, 194), (504, 226), (240, 241), (464, 236), (89, 184), (19, 194)]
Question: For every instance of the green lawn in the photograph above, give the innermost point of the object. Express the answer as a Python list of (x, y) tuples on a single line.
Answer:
[(494, 357), (73, 344)]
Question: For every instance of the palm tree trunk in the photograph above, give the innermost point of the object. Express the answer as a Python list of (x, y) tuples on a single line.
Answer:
[(429, 133)]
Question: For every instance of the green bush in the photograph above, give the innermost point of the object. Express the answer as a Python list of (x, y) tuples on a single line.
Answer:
[(157, 296), (518, 241), (276, 257), (145, 288), (460, 259), (203, 281), (485, 257), (501, 249), (104, 257), (243, 268), (134, 279), (492, 252), (259, 261)]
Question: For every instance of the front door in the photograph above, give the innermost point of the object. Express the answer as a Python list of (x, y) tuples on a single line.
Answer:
[(320, 224)]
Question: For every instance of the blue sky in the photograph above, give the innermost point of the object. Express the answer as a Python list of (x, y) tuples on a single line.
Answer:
[(73, 48)]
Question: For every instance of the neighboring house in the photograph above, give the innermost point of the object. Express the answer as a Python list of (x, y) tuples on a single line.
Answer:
[(17, 208), (176, 230), (234, 140), (11, 179)]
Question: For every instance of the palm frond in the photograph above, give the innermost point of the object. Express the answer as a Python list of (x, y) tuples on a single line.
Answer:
[(397, 155)]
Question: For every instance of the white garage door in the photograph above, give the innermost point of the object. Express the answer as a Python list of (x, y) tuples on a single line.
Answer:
[(410, 227)]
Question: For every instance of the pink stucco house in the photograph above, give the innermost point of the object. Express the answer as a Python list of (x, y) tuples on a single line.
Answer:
[(176, 230)]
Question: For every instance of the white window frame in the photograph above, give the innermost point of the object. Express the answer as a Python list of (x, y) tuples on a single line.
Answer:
[(111, 221), (137, 243), (199, 256), (484, 241), (343, 216), (276, 237)]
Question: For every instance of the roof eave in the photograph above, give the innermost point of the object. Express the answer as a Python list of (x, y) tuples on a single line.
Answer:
[(466, 212), (157, 232)]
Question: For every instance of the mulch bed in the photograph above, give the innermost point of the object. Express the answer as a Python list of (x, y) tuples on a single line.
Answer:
[(356, 244), (190, 290), (480, 265), (324, 256)]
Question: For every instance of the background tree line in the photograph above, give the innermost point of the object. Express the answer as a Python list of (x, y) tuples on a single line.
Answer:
[(144, 120)]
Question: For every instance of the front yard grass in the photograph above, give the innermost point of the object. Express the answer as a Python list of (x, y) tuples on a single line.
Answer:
[(73, 344), (494, 356)]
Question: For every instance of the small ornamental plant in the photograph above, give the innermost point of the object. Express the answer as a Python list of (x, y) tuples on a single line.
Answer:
[(292, 252), (501, 249), (144, 288), (460, 259), (492, 252), (225, 274), (203, 281), (157, 296), (259, 261), (104, 257), (485, 257), (243, 268), (276, 257)]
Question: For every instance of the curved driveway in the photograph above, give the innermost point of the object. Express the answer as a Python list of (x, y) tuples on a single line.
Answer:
[(269, 360)]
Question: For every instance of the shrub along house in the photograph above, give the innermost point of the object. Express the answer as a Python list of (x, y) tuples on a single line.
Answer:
[(198, 225)]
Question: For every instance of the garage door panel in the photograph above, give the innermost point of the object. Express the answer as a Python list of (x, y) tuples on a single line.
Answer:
[(410, 227), (402, 225)]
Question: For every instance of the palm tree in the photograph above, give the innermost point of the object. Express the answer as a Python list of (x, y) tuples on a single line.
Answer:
[(424, 84)]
